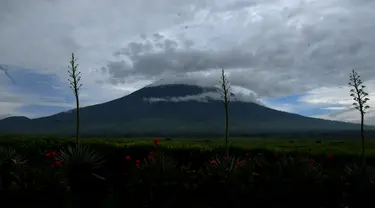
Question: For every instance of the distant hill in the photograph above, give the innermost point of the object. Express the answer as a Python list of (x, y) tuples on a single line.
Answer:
[(169, 110)]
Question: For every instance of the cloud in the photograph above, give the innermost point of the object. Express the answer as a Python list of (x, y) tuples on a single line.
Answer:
[(272, 48), (40, 37), (33, 90), (198, 66), (293, 49), (20, 95), (239, 94), (339, 96), (336, 108), (297, 104)]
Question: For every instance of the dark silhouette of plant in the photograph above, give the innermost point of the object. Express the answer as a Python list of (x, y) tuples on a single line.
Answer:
[(226, 164), (360, 98), (225, 93), (79, 163), (80, 166), (11, 167), (75, 86), (358, 182)]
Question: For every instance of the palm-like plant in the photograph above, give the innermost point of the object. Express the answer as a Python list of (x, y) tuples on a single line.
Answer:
[(158, 168), (9, 155), (11, 166), (79, 163), (160, 162), (158, 172), (40, 179), (353, 173), (289, 169), (359, 182), (299, 166), (225, 168), (226, 164)]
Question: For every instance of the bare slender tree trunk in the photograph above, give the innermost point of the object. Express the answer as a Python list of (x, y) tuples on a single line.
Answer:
[(363, 139), (226, 130), (77, 119)]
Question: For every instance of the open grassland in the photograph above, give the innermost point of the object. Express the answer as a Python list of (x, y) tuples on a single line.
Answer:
[(185, 172), (347, 147)]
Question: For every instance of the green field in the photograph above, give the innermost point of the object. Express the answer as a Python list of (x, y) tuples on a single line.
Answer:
[(182, 170), (311, 146)]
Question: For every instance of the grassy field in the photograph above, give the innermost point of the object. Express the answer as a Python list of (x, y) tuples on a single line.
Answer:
[(194, 172), (311, 146)]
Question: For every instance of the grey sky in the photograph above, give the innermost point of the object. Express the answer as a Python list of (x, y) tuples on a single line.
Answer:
[(290, 48), (271, 47)]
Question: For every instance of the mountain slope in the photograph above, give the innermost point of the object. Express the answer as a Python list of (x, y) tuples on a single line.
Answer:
[(171, 109)]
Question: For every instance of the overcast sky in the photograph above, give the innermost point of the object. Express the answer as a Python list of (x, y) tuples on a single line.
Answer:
[(290, 55)]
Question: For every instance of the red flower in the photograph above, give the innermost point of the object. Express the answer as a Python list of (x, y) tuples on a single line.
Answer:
[(330, 156), (226, 158), (53, 153), (240, 164), (213, 162), (310, 161), (128, 158), (52, 166), (137, 163), (260, 164), (156, 142), (276, 155), (151, 158), (152, 153), (58, 162)]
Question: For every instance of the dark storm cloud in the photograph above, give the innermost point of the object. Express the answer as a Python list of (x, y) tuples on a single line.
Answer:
[(271, 47), (294, 50)]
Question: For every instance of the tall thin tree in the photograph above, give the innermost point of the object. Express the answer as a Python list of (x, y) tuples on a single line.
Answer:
[(75, 78), (226, 94), (360, 97)]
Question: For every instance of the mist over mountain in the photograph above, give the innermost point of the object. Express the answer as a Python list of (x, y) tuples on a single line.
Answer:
[(171, 109)]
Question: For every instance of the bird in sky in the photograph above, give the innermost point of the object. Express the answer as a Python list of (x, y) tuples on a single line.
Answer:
[(7, 74)]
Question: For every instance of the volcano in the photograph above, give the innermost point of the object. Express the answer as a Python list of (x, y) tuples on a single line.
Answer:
[(172, 109)]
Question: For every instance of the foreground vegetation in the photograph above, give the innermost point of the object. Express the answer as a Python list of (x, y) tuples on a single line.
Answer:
[(45, 172), (315, 146)]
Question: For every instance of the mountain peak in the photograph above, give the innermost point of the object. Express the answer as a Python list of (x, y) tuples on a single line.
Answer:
[(16, 118), (175, 90), (172, 109), (179, 92)]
